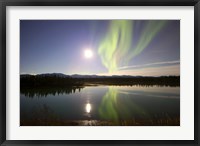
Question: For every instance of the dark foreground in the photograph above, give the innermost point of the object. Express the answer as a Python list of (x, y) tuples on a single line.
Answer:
[(135, 122)]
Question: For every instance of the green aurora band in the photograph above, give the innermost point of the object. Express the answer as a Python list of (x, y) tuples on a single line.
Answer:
[(116, 48)]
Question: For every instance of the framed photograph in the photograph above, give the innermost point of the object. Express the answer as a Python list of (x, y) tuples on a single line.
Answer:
[(99, 72)]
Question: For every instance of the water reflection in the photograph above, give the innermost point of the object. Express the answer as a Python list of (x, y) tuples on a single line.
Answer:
[(44, 92), (101, 105), (116, 108), (88, 107), (107, 109), (42, 115)]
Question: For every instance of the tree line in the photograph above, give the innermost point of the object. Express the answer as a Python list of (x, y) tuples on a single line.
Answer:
[(56, 81)]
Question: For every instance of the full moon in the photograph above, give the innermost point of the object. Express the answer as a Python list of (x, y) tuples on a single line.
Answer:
[(88, 53)]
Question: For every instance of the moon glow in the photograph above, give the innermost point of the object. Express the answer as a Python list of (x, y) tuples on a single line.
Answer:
[(88, 53)]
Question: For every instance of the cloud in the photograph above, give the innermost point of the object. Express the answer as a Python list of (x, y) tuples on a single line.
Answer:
[(170, 70), (150, 64)]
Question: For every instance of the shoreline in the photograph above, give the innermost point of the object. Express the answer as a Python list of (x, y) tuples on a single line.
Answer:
[(133, 122)]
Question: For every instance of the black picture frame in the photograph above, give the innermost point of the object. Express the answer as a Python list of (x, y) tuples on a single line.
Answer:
[(5, 3)]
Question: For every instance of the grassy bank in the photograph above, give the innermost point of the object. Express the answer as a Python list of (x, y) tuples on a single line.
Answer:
[(132, 122)]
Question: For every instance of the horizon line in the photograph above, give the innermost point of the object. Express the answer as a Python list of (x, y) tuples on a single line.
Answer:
[(95, 75)]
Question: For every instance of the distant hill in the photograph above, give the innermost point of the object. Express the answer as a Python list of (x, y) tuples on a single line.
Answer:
[(46, 75), (58, 79), (61, 75)]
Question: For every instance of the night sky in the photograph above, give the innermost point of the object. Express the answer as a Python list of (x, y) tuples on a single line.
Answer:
[(102, 47)]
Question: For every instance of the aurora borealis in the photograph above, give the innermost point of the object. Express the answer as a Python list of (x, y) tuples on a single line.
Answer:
[(119, 47)]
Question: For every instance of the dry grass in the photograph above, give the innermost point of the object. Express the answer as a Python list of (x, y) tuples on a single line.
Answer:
[(132, 122)]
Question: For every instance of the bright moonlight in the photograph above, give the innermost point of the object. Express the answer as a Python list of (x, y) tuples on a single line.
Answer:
[(88, 53)]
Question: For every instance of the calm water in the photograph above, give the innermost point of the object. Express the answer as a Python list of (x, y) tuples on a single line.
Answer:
[(100, 103)]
